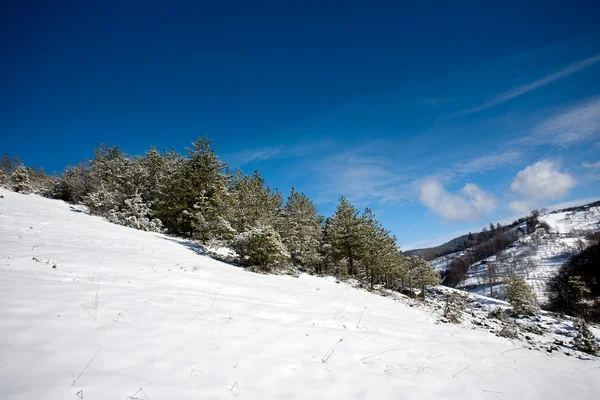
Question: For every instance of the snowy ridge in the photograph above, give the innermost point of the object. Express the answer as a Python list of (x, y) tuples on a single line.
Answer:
[(94, 310)]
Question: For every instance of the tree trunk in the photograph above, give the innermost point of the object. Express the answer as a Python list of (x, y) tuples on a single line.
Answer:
[(372, 278)]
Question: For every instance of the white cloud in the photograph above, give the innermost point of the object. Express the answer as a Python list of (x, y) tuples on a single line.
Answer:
[(591, 165), (522, 206), (542, 181), (469, 205), (518, 91), (488, 162), (575, 124)]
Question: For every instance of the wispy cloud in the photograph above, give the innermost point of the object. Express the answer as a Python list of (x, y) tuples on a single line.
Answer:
[(521, 90), (489, 162), (364, 178), (577, 123), (591, 165), (246, 156)]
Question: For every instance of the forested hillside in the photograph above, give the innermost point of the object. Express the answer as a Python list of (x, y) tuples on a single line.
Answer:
[(197, 196)]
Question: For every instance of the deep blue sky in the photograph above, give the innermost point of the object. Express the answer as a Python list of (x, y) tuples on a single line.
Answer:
[(397, 106)]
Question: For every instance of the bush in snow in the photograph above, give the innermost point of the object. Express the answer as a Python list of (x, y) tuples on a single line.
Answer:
[(19, 180), (454, 306), (585, 340), (135, 214), (100, 202), (521, 297), (498, 313), (260, 247)]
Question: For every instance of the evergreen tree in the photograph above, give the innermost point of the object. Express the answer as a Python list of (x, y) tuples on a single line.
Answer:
[(112, 184), (75, 183), (346, 236), (379, 248), (423, 274), (19, 180), (135, 214), (301, 229), (260, 247), (194, 200), (325, 250), (521, 297), (9, 164), (253, 203), (585, 340)]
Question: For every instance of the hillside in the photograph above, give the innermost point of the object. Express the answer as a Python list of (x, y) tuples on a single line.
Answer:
[(537, 256), (95, 310)]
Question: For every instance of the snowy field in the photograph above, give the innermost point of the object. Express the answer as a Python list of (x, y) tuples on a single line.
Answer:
[(93, 310)]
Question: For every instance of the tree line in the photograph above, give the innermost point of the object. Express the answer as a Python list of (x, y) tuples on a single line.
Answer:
[(197, 196)]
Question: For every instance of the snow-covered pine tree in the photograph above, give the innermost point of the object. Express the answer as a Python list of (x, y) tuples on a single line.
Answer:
[(2, 177), (135, 214), (260, 247), (301, 229), (346, 236), (194, 199), (112, 181), (585, 340), (253, 203), (19, 180), (521, 297)]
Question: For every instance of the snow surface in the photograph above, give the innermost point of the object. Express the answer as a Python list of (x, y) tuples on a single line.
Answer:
[(125, 310)]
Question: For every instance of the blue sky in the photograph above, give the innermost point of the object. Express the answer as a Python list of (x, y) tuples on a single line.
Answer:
[(440, 117)]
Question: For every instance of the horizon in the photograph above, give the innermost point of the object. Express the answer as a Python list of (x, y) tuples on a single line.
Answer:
[(440, 120)]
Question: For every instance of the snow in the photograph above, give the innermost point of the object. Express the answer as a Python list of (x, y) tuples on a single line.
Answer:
[(125, 310), (536, 257), (443, 263)]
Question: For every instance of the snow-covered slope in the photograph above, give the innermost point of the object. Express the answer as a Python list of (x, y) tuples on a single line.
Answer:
[(101, 311), (536, 257)]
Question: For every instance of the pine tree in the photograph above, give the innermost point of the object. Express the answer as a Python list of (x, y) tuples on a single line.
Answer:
[(325, 250), (75, 183), (521, 297), (135, 214), (194, 200), (260, 247), (346, 236), (9, 164), (585, 340), (422, 274), (19, 180), (253, 203), (379, 248), (301, 229)]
